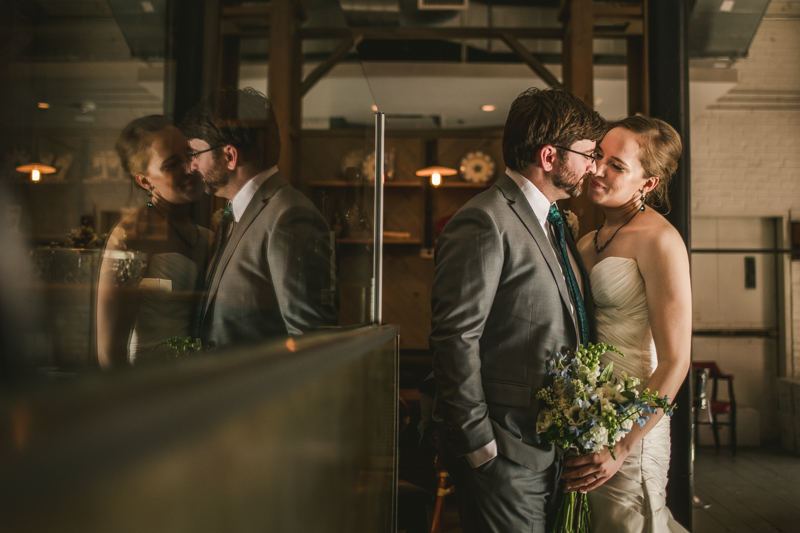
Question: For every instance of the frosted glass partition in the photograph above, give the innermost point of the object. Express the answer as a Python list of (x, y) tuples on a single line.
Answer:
[(287, 437)]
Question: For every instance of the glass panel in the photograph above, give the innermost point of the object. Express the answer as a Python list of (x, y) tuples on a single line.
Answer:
[(112, 246), (75, 73), (337, 154)]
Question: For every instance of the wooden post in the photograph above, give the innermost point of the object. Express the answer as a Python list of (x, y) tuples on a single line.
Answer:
[(667, 37), (638, 97), (577, 66), (284, 81), (577, 51)]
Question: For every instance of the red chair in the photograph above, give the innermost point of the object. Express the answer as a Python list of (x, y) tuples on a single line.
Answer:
[(719, 407)]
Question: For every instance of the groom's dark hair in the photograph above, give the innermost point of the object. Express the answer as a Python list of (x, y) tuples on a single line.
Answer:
[(539, 117), (239, 117)]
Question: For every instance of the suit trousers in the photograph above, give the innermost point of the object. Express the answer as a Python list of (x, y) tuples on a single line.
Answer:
[(501, 496)]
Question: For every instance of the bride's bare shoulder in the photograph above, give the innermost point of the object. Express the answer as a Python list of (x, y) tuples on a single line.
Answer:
[(660, 237)]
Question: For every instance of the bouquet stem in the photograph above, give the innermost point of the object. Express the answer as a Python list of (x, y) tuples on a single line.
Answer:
[(573, 514)]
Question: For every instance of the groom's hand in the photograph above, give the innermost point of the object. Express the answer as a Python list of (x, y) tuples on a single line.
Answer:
[(588, 472)]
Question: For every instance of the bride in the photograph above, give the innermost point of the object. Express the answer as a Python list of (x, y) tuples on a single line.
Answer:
[(131, 322), (640, 280)]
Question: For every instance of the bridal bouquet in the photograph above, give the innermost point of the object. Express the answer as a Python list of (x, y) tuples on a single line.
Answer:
[(587, 409)]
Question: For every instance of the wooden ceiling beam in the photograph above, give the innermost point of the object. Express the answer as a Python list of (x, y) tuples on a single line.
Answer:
[(323, 68), (531, 60)]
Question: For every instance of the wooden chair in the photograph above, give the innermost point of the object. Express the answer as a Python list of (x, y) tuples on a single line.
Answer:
[(719, 407), (700, 402), (442, 491)]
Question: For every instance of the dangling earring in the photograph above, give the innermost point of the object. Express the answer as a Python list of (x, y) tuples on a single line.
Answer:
[(642, 199), (150, 194)]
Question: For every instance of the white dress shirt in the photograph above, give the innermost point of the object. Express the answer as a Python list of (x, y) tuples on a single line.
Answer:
[(541, 207), (246, 193)]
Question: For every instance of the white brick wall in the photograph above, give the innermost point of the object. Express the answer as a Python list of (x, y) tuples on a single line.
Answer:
[(745, 150)]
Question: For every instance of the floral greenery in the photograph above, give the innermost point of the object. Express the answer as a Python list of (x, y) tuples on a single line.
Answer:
[(572, 222), (587, 411), (180, 345)]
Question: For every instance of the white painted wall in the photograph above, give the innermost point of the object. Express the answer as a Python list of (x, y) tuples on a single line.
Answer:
[(745, 176)]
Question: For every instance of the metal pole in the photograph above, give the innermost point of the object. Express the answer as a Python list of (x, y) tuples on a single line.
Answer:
[(377, 273), (668, 57)]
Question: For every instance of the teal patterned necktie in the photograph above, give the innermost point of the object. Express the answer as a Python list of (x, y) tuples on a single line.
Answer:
[(220, 240), (557, 223)]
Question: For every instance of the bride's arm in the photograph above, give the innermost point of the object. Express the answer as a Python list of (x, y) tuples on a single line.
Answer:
[(664, 265), (116, 312)]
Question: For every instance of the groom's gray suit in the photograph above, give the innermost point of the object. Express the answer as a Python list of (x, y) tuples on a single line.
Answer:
[(274, 277), (500, 307)]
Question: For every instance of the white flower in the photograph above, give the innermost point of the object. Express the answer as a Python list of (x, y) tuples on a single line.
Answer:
[(599, 435), (613, 392), (544, 421), (575, 415)]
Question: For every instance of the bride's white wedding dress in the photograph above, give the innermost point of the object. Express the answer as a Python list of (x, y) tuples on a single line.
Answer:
[(165, 310), (634, 499)]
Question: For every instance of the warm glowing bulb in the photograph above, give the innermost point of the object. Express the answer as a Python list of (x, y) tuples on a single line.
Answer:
[(43, 105), (36, 175), (488, 108), (436, 179), (374, 108)]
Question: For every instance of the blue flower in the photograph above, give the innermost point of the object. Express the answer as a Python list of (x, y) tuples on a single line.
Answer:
[(588, 444), (574, 430), (595, 398)]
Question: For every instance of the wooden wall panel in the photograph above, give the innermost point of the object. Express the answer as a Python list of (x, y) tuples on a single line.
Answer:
[(407, 276), (407, 281)]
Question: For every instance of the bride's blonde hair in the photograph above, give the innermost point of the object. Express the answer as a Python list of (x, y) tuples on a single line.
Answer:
[(660, 150)]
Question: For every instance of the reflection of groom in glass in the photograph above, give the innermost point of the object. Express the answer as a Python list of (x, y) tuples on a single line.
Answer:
[(510, 290), (270, 273)]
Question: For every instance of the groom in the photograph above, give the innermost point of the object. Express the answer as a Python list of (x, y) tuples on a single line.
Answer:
[(270, 273), (510, 290)]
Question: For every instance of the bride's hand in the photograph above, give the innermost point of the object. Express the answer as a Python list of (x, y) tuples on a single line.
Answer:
[(588, 472)]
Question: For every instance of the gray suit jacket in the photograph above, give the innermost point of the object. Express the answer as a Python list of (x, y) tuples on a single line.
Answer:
[(275, 274), (500, 309)]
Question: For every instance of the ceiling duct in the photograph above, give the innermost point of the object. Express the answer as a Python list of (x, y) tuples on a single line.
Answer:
[(724, 28), (142, 24)]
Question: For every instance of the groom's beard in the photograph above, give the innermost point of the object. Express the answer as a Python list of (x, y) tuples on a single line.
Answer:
[(568, 181), (216, 177)]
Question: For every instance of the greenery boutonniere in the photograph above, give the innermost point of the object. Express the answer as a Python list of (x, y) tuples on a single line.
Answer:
[(572, 222)]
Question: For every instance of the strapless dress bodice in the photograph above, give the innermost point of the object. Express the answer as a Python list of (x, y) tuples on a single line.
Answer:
[(620, 302)]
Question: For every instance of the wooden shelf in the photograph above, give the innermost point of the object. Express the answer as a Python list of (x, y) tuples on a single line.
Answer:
[(410, 184), (385, 241), (464, 185)]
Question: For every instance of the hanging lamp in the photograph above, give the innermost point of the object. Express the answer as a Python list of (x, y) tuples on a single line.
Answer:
[(436, 172)]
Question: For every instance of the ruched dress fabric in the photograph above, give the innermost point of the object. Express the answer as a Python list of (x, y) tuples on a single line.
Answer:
[(634, 499), (164, 313)]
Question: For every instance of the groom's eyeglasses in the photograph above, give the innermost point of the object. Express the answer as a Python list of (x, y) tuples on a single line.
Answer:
[(193, 155), (593, 156)]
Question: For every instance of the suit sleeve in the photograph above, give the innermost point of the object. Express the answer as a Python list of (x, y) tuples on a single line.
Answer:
[(299, 253), (469, 261)]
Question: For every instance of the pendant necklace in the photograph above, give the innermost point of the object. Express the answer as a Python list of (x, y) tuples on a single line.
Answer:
[(184, 239), (599, 249), (178, 231)]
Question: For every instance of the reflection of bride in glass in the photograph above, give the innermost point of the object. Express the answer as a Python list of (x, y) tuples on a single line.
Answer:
[(132, 320)]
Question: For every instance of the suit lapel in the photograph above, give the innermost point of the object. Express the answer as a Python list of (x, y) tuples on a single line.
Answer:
[(257, 204), (522, 208)]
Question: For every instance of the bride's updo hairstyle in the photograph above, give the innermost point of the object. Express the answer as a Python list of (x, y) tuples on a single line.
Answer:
[(660, 149), (133, 144)]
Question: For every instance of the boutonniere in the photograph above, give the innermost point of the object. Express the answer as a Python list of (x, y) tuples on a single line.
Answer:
[(572, 222)]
